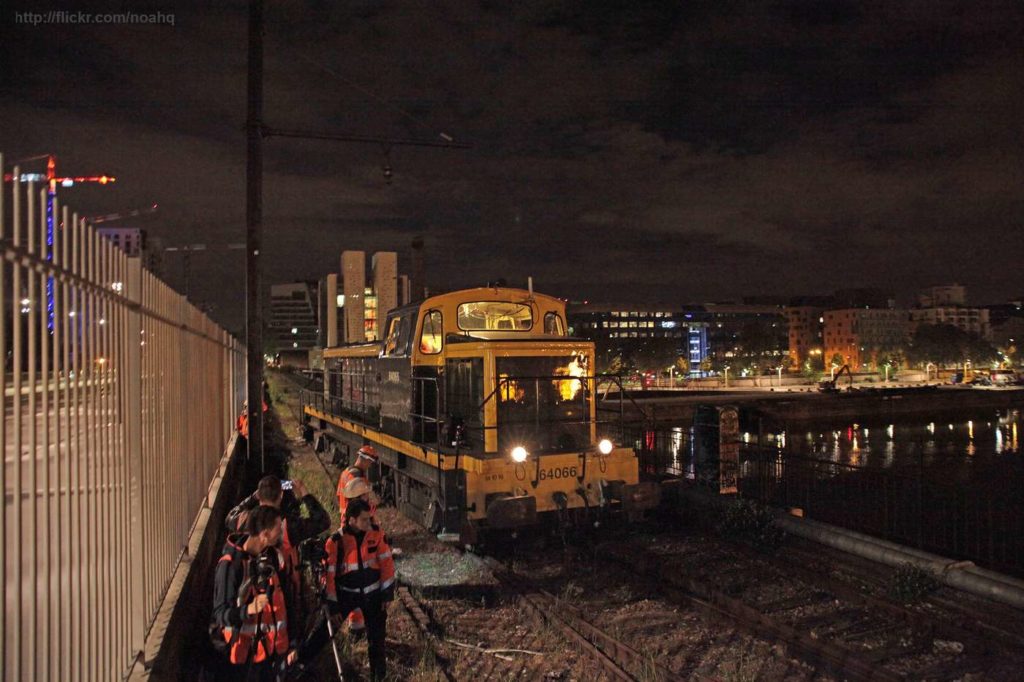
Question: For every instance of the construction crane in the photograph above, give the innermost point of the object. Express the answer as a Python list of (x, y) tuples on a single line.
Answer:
[(52, 180), (830, 385), (110, 217)]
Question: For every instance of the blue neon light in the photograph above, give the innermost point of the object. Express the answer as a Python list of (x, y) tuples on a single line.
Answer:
[(50, 196)]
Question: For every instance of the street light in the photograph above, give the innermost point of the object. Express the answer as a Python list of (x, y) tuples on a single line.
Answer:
[(727, 376), (780, 375)]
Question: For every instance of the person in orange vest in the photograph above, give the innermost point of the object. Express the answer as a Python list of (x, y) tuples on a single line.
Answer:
[(295, 529), (360, 575), (359, 489), (249, 607), (242, 423), (366, 456)]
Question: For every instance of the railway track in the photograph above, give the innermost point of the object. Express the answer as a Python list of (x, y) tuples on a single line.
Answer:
[(800, 599), (604, 656), (819, 618), (949, 614)]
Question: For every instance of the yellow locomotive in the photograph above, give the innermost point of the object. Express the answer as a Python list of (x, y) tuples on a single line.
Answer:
[(484, 413)]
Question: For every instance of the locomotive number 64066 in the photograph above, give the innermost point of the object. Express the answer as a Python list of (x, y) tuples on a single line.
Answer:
[(558, 472)]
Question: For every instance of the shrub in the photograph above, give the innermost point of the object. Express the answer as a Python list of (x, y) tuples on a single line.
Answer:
[(911, 583), (753, 523)]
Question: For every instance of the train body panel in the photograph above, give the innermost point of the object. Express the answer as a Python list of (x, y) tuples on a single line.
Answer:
[(484, 411)]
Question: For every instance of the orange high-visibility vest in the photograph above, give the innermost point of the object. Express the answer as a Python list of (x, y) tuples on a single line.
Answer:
[(356, 571), (347, 475), (271, 622), (290, 555)]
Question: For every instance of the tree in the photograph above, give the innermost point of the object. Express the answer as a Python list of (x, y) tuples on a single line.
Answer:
[(758, 345), (656, 355), (608, 358), (707, 365), (894, 359), (944, 344), (838, 360), (809, 371)]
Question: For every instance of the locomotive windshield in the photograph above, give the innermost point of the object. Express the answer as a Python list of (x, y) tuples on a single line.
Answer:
[(495, 316), (542, 403)]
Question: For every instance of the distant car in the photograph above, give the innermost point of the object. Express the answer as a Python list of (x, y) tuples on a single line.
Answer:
[(1004, 377), (981, 381), (957, 378)]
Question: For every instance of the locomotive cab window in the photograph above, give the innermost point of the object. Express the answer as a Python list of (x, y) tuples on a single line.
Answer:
[(399, 334), (495, 316), (431, 338), (553, 324)]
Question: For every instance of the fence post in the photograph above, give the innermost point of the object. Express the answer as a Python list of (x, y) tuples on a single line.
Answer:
[(920, 500), (133, 435)]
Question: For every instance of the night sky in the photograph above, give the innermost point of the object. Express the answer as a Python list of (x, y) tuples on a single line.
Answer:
[(681, 150)]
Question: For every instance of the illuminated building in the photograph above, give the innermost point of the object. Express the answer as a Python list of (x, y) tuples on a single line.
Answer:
[(712, 330), (351, 306), (859, 335), (292, 328)]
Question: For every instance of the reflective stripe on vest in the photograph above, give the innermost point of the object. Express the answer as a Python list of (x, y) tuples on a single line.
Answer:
[(272, 632)]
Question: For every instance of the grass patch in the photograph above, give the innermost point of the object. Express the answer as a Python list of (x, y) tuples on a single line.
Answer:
[(301, 462), (910, 583), (751, 523)]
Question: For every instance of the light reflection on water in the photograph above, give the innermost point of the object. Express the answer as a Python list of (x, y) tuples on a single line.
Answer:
[(956, 448), (906, 442)]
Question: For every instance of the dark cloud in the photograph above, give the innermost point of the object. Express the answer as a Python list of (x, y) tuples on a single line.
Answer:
[(706, 149)]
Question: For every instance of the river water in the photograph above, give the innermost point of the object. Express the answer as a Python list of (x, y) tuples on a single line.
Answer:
[(953, 486), (983, 443), (988, 437)]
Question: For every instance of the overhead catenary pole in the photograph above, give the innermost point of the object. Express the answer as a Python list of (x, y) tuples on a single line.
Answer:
[(255, 132), (253, 235)]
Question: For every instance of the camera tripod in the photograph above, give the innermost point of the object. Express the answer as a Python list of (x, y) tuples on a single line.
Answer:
[(314, 560)]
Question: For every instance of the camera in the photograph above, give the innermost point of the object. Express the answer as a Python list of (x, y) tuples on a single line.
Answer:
[(266, 568), (287, 485), (312, 553)]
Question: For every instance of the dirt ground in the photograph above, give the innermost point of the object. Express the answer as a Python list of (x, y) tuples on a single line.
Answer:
[(490, 637), (465, 628)]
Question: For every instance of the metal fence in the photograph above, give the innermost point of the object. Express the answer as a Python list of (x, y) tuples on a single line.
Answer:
[(974, 513), (981, 519), (118, 398)]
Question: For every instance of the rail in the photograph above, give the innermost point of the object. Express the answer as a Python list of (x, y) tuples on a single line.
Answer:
[(117, 400)]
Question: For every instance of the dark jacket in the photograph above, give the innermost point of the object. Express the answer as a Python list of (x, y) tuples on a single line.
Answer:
[(299, 528), (232, 570)]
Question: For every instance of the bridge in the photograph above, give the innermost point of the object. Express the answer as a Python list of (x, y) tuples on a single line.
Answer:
[(118, 434)]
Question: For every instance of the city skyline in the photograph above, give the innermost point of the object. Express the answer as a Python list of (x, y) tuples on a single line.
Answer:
[(697, 152)]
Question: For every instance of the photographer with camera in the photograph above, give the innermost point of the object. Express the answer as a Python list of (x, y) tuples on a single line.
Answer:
[(360, 575), (249, 609), (295, 529)]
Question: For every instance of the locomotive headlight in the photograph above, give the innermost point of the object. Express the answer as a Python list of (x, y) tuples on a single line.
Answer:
[(605, 446), (519, 454)]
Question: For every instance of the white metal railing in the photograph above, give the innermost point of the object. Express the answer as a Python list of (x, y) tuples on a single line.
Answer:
[(116, 410)]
